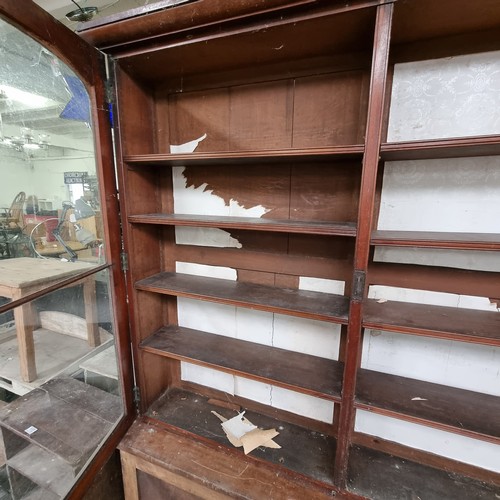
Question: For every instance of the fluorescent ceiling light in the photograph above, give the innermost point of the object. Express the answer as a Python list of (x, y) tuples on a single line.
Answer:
[(28, 99)]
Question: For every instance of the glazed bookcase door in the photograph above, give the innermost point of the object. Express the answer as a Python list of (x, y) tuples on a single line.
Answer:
[(66, 395)]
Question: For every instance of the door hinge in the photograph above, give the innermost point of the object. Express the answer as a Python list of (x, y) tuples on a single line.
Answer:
[(137, 396), (124, 261), (358, 285), (110, 91)]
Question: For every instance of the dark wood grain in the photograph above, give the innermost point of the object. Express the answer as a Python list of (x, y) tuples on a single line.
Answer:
[(335, 115), (248, 157), (248, 223), (373, 137), (434, 278), (467, 325), (292, 370), (431, 239), (338, 267), (306, 304), (135, 26), (451, 409), (329, 30), (442, 148)]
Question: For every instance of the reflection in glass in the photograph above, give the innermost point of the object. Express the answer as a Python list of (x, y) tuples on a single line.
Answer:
[(49, 201), (59, 387), (59, 383)]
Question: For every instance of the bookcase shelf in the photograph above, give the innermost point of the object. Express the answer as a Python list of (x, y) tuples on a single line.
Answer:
[(320, 155), (249, 223), (292, 370), (488, 145), (432, 404), (303, 303), (467, 325), (439, 240)]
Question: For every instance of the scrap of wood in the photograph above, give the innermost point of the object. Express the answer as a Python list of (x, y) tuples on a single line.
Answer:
[(224, 404)]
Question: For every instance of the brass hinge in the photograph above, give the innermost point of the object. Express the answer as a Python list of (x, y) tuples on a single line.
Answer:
[(124, 261), (137, 396), (358, 285)]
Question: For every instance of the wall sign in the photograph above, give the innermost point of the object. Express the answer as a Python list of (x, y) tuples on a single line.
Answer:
[(74, 177)]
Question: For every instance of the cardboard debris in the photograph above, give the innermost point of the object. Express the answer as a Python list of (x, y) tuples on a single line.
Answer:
[(242, 433)]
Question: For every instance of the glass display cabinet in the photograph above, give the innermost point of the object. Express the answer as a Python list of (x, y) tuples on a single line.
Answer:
[(300, 249)]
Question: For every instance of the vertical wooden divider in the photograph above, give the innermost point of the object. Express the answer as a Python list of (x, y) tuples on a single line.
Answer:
[(374, 129)]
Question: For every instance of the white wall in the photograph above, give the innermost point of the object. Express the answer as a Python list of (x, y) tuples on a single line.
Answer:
[(41, 177), (445, 98)]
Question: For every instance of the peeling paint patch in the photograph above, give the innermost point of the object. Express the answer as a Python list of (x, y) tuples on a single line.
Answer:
[(200, 200), (205, 237)]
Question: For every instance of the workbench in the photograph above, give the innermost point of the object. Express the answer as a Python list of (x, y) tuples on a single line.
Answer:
[(22, 276)]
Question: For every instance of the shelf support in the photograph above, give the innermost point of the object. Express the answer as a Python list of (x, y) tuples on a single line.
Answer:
[(374, 129)]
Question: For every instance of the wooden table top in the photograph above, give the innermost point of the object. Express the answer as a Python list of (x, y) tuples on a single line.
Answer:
[(26, 272)]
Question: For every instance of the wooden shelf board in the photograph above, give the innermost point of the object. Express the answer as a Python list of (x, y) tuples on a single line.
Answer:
[(302, 303), (299, 372), (249, 223), (440, 240), (354, 151), (448, 408), (302, 450), (467, 325), (441, 148), (45, 469), (381, 476)]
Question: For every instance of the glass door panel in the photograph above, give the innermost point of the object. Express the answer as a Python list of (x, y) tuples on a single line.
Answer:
[(60, 389)]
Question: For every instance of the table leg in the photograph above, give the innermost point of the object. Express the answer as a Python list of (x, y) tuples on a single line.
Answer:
[(89, 297), (23, 316)]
